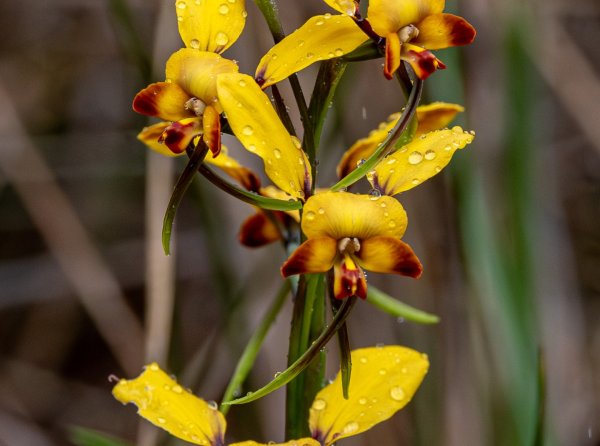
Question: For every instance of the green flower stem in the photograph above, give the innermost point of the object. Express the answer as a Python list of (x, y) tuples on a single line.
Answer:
[(402, 133), (396, 308), (248, 357), (252, 198), (182, 185), (303, 361)]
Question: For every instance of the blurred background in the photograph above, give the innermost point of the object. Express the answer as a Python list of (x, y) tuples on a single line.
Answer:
[(509, 235)]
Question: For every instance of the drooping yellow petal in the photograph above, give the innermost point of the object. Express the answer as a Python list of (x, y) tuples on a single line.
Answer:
[(256, 124), (169, 406), (389, 255), (150, 136), (196, 72), (320, 38), (349, 279), (435, 116), (210, 25), (439, 31), (389, 16), (258, 230), (164, 100), (392, 55), (419, 160), (312, 256), (340, 214), (248, 179), (211, 129), (422, 61), (347, 7), (178, 136), (383, 381), (300, 442)]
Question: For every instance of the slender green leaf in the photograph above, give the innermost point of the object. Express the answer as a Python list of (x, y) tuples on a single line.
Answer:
[(82, 436), (396, 308)]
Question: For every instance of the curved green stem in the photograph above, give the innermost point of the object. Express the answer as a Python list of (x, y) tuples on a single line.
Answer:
[(396, 308), (248, 357), (303, 361)]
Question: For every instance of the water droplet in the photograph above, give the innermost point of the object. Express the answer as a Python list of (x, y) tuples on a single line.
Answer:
[(277, 153), (415, 181), (251, 147), (247, 130), (223, 9), (242, 83), (181, 4), (221, 38), (161, 420), (397, 393), (319, 404), (310, 215), (310, 55), (415, 157), (383, 205), (301, 42), (374, 194), (448, 147), (244, 13), (438, 169), (339, 52), (195, 44), (391, 161), (386, 214), (321, 211), (319, 22), (177, 389), (213, 405), (363, 360), (276, 375), (154, 367), (403, 370), (382, 372), (362, 401), (457, 129), (350, 427), (392, 224), (430, 154)]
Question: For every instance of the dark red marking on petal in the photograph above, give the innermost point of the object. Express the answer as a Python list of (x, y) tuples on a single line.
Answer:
[(257, 230), (424, 63), (462, 33), (178, 136)]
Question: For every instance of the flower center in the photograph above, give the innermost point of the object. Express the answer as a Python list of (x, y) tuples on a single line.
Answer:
[(408, 33), (195, 105), (349, 245)]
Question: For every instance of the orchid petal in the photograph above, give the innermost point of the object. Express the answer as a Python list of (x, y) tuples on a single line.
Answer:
[(389, 16), (347, 7), (258, 230), (439, 31), (389, 255), (248, 179), (256, 124), (340, 214), (196, 72), (419, 160), (164, 100), (392, 55), (435, 116), (422, 61), (322, 37), (349, 279), (211, 128), (169, 406), (210, 25), (150, 136), (383, 381), (313, 256), (300, 442), (178, 136)]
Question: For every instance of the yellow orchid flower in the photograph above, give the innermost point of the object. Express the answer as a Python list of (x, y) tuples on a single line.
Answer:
[(410, 28), (348, 232), (384, 380), (188, 97), (429, 117)]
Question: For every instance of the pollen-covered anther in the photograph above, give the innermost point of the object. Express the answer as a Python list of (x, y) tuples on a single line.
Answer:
[(408, 33), (195, 105), (348, 245)]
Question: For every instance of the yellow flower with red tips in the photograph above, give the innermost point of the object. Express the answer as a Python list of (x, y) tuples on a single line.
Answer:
[(188, 97), (349, 232), (384, 380), (410, 28)]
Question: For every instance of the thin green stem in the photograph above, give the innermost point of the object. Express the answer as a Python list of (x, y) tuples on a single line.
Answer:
[(250, 353), (182, 185), (396, 308), (303, 361)]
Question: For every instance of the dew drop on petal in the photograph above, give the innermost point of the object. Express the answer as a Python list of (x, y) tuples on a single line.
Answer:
[(301, 42), (397, 393), (310, 55), (310, 215), (319, 404), (247, 130), (404, 370), (319, 22), (161, 420), (244, 13), (448, 147), (415, 181), (382, 371), (438, 169), (391, 161), (362, 401), (213, 405), (430, 154), (374, 194), (221, 38), (177, 389), (321, 211), (363, 360), (195, 44), (181, 4), (457, 129), (339, 52), (415, 157), (350, 427), (223, 9), (252, 148), (277, 153), (392, 224)]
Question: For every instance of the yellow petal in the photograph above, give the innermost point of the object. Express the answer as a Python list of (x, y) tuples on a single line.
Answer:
[(196, 72), (392, 55), (389, 255), (150, 136), (258, 230), (164, 100), (312, 256), (169, 406), (439, 31), (248, 179), (210, 25), (435, 116), (347, 7), (388, 16), (340, 214), (322, 37), (422, 61), (349, 279), (419, 160), (300, 442), (383, 381), (256, 124)]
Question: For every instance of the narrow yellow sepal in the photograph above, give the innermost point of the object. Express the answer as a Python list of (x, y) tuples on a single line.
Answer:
[(383, 381), (169, 406), (347, 7), (256, 124), (322, 37), (210, 25), (419, 160)]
